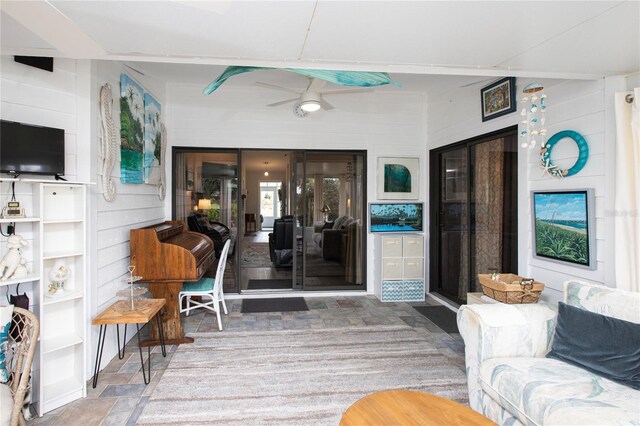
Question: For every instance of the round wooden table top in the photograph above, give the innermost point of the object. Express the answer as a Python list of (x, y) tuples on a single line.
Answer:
[(406, 407)]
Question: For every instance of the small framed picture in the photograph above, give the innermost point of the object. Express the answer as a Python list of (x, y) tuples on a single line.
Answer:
[(498, 98), (398, 178)]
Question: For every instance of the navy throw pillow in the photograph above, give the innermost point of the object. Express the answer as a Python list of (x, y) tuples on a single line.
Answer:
[(606, 346)]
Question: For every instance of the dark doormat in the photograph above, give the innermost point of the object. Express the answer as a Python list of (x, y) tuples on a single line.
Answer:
[(251, 306), (441, 316), (270, 284)]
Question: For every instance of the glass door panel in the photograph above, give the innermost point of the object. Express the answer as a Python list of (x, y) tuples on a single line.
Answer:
[(333, 238), (267, 260), (454, 242), (493, 208), (474, 200), (205, 191)]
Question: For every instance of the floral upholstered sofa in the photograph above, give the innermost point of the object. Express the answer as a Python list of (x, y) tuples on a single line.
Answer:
[(512, 382)]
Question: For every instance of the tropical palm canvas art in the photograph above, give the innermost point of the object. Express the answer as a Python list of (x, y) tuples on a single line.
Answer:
[(131, 130), (562, 226), (152, 140)]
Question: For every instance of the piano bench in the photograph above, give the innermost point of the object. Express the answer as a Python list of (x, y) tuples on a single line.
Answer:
[(121, 313)]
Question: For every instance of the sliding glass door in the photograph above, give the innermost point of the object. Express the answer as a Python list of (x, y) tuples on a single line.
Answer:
[(329, 208), (205, 188), (296, 218), (474, 205)]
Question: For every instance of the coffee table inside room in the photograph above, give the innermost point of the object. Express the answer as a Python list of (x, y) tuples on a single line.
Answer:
[(407, 407)]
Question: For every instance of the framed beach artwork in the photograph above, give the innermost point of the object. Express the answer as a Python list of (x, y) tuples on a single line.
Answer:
[(564, 227), (498, 98), (395, 217), (398, 178), (152, 140), (131, 130)]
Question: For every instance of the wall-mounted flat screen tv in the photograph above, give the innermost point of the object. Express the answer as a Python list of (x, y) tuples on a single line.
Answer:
[(395, 217), (564, 227), (25, 148)]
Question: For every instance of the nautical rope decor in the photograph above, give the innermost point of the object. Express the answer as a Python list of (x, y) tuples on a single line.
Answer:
[(108, 144), (162, 186), (545, 154)]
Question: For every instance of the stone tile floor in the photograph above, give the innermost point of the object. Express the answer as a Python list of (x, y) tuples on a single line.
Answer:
[(121, 394)]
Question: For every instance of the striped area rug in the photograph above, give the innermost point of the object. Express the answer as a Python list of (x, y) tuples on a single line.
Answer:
[(295, 377)]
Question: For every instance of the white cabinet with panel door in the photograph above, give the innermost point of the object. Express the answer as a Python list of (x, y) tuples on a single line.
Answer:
[(402, 269)]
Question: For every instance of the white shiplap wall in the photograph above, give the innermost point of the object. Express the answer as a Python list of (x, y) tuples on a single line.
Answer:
[(54, 99), (389, 123), (135, 206), (33, 96), (575, 105), (68, 98)]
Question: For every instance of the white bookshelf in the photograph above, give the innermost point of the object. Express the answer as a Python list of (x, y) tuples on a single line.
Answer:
[(55, 228)]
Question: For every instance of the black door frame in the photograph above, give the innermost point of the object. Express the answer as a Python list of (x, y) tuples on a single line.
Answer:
[(435, 184), (238, 151)]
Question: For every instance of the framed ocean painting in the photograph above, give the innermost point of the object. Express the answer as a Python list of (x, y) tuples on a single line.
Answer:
[(395, 217), (131, 130), (152, 140), (398, 178), (564, 227)]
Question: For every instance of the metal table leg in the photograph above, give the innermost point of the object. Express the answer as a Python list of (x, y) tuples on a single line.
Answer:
[(144, 376), (161, 333), (124, 340), (101, 338)]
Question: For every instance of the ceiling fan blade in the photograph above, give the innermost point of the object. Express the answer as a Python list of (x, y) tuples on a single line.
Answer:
[(274, 87), (283, 102), (345, 91), (315, 85), (325, 105)]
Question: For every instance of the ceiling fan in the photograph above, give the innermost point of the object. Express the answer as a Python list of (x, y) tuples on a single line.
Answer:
[(311, 99)]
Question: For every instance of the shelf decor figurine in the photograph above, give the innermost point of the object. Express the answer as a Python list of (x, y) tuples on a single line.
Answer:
[(12, 264), (58, 276), (132, 293)]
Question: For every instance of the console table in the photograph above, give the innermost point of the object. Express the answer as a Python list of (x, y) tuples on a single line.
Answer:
[(120, 313)]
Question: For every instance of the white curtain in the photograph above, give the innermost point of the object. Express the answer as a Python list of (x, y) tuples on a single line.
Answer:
[(627, 193)]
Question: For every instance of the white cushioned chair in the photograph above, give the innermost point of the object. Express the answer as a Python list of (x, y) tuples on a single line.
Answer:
[(207, 288)]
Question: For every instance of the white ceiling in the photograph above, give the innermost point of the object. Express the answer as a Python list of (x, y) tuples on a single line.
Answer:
[(427, 45)]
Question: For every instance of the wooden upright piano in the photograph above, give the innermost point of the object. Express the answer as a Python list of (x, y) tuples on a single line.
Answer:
[(166, 255)]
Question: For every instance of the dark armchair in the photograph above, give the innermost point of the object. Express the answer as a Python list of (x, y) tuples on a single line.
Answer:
[(218, 232), (331, 238), (281, 242)]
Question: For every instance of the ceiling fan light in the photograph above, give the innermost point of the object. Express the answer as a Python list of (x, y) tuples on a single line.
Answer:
[(310, 106)]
